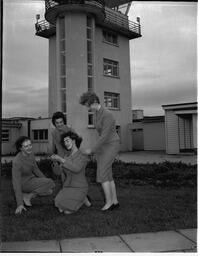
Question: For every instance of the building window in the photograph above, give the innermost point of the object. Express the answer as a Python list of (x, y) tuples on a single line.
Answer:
[(112, 100), (62, 66), (110, 68), (118, 130), (90, 53), (40, 135), (110, 37), (5, 134), (90, 119)]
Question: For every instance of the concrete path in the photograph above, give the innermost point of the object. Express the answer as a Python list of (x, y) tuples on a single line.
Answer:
[(156, 157), (184, 240)]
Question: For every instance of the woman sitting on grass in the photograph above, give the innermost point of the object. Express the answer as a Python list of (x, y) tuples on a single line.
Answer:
[(28, 181), (74, 192)]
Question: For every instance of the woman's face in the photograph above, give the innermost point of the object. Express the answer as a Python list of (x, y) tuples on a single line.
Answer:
[(91, 107), (59, 123), (69, 143), (26, 147)]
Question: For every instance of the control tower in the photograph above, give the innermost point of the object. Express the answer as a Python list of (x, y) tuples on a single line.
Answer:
[(89, 50)]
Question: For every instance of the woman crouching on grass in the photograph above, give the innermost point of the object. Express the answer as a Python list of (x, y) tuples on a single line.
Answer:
[(74, 192), (28, 181)]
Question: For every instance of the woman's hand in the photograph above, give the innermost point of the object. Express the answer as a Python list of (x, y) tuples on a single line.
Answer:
[(57, 158), (19, 209)]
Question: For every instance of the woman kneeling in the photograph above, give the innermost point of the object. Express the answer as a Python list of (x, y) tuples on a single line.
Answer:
[(75, 187), (28, 181)]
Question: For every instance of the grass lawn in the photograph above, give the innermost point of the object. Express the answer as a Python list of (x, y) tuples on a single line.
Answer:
[(145, 207)]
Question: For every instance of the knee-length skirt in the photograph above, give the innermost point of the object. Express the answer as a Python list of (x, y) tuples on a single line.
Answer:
[(105, 160), (71, 198)]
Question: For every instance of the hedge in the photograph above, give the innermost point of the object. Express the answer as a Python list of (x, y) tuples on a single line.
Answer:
[(157, 174)]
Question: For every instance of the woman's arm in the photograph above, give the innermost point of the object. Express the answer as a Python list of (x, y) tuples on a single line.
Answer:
[(108, 124), (73, 165), (36, 170), (16, 181)]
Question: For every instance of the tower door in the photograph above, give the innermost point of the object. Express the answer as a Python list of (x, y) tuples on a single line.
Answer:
[(185, 133)]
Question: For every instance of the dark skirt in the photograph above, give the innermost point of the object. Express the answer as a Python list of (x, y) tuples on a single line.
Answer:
[(70, 198)]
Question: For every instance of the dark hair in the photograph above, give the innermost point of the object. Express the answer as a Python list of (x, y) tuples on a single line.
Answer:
[(18, 143), (58, 115), (89, 98), (73, 136)]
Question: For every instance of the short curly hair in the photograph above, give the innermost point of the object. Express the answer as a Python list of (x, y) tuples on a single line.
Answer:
[(73, 136), (89, 98), (18, 143), (58, 115)]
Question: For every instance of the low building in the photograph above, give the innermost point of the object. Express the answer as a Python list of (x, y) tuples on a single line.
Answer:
[(39, 130), (181, 127), (148, 133)]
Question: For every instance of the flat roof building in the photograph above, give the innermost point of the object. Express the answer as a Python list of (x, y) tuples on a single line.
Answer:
[(181, 127)]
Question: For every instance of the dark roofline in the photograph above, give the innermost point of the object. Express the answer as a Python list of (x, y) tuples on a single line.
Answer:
[(151, 119), (179, 104)]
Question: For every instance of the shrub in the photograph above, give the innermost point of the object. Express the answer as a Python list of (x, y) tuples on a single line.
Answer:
[(164, 174)]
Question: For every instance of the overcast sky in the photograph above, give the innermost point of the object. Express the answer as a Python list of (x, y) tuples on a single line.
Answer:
[(163, 60)]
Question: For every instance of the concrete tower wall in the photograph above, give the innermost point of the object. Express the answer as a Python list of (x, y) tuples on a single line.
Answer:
[(76, 76), (121, 85), (52, 96)]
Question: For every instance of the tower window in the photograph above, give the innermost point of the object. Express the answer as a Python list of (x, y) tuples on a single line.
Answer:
[(110, 68), (110, 37), (90, 66), (118, 130), (112, 100), (90, 119)]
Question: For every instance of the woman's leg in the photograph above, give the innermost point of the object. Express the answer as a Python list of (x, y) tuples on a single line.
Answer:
[(87, 202), (27, 198), (113, 192), (108, 198)]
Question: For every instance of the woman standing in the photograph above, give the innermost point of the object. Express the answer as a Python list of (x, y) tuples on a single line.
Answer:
[(74, 192), (106, 147), (59, 122), (28, 181)]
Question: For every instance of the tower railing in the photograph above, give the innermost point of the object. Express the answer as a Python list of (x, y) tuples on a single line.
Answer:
[(121, 21), (52, 3), (112, 18)]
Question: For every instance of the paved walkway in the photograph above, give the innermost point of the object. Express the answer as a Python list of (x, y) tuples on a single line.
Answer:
[(156, 157), (184, 240)]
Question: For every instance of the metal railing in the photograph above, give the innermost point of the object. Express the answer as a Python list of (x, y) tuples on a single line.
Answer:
[(121, 21), (52, 3), (112, 17)]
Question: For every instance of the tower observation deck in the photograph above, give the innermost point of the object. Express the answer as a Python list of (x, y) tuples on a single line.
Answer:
[(106, 14)]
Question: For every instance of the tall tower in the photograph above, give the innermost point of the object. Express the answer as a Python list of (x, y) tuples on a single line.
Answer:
[(89, 50)]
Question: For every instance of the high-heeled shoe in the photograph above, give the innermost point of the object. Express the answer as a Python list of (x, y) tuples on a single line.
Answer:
[(108, 209), (115, 206)]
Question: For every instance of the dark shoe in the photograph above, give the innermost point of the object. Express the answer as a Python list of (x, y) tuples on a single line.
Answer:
[(108, 209), (90, 200), (115, 206)]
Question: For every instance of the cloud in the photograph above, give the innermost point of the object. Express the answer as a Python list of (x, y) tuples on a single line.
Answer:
[(163, 60)]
